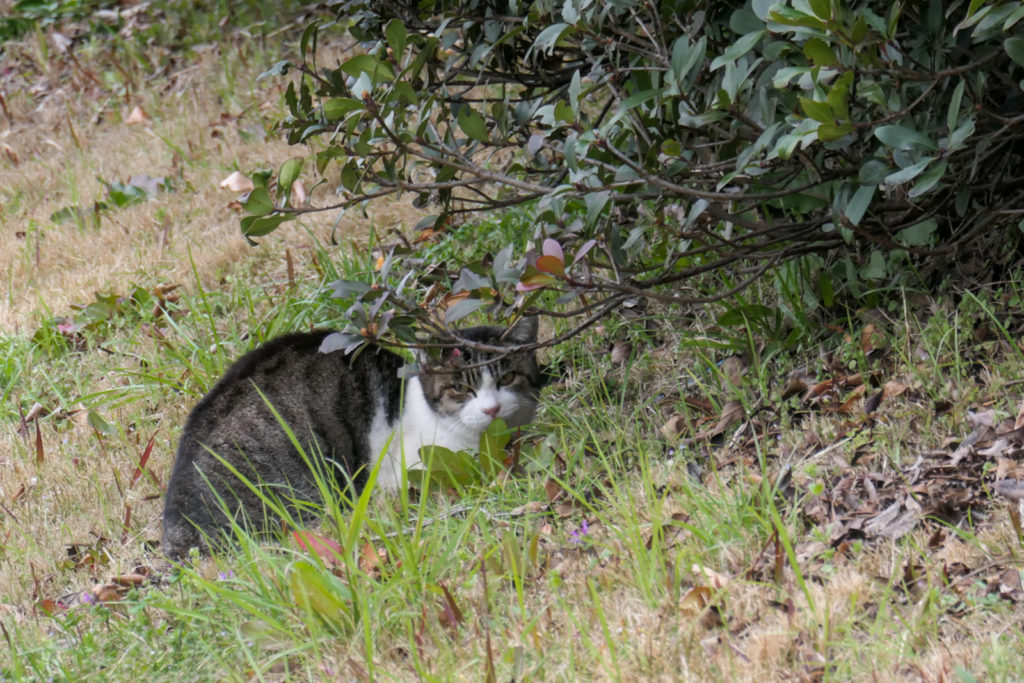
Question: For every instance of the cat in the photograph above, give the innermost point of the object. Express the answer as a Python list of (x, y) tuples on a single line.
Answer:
[(347, 412)]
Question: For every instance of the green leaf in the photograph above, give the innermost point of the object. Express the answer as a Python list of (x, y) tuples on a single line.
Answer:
[(875, 268), (289, 173), (337, 108), (258, 203), (685, 56), (859, 203), (1015, 16), (839, 95), (318, 592), (1015, 48), (309, 37), (472, 124), (960, 135), (919, 235), (901, 137), (396, 35), (929, 179), (279, 69), (460, 309), (860, 30), (548, 38), (377, 70), (820, 52), (819, 111), (741, 47), (909, 173), (787, 16), (97, 422), (445, 468), (492, 447), (827, 132), (828, 296), (954, 105), (257, 226), (821, 8)]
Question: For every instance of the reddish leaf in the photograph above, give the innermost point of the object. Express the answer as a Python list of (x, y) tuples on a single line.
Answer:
[(873, 401), (142, 462), (553, 249), (551, 264), (533, 279), (329, 552), (451, 616), (39, 445)]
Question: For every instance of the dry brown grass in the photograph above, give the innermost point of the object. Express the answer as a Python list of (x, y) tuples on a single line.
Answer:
[(63, 143)]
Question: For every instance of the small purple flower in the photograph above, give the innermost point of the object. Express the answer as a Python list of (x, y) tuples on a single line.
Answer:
[(224, 576), (88, 598), (578, 536)]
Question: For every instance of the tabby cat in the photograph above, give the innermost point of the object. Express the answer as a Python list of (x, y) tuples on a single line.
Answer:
[(346, 412)]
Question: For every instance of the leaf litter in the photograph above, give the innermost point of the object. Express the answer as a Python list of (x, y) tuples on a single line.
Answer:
[(860, 493)]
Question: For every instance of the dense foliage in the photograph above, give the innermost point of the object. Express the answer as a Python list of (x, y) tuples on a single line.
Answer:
[(655, 142)]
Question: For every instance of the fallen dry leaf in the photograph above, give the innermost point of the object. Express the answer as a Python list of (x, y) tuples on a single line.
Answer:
[(695, 600), (131, 580), (237, 182), (716, 579), (674, 428), (732, 412), (621, 351), (138, 115), (105, 592), (35, 412), (893, 388)]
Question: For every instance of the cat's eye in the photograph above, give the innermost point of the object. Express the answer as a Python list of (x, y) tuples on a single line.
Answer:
[(506, 379), (463, 389)]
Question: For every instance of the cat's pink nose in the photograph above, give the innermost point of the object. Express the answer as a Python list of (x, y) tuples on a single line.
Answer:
[(492, 412)]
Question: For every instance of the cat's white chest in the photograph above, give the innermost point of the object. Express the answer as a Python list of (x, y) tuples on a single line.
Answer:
[(396, 444)]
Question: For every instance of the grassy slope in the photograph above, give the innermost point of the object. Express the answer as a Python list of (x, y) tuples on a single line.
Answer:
[(517, 583)]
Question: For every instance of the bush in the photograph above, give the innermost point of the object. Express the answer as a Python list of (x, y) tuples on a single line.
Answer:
[(656, 142)]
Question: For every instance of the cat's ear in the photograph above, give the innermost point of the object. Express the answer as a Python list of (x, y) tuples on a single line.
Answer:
[(523, 332), (425, 358)]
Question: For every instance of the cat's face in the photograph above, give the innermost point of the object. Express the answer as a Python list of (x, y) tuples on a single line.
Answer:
[(475, 396)]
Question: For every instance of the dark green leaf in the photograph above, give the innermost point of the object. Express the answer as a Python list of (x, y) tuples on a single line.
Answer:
[(472, 124), (929, 179), (337, 108), (396, 35), (460, 309), (741, 47), (907, 174), (258, 203), (377, 70), (257, 226), (901, 137), (919, 235), (859, 203), (549, 37), (1015, 48)]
